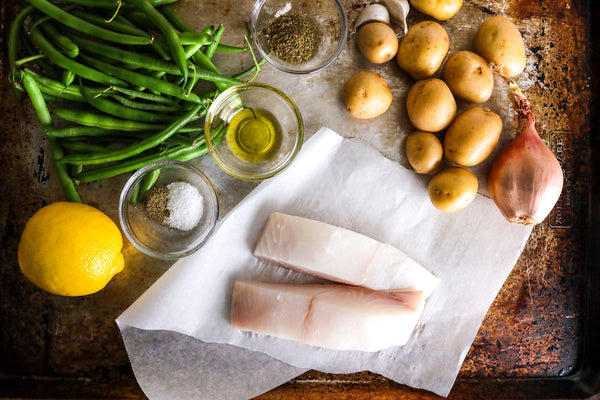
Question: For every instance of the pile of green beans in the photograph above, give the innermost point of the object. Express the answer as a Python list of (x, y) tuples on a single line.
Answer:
[(116, 84)]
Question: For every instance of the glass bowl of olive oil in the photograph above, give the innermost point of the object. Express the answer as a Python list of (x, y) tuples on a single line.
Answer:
[(253, 131), (299, 36)]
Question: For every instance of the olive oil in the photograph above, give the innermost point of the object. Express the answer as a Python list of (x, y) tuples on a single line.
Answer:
[(254, 135)]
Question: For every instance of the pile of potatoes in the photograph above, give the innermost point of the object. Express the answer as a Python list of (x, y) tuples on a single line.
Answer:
[(467, 138)]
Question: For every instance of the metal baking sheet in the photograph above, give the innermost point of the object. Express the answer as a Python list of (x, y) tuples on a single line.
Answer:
[(539, 339)]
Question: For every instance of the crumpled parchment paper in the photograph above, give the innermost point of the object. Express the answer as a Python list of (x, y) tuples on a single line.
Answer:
[(178, 335)]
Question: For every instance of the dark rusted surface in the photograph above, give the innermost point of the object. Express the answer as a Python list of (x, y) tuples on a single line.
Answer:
[(539, 339)]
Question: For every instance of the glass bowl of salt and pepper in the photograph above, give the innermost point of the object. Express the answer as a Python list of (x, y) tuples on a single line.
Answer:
[(168, 209), (301, 36)]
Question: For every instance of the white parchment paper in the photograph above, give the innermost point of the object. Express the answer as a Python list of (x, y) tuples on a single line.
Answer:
[(347, 183)]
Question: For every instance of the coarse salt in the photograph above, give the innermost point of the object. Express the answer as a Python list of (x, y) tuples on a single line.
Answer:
[(184, 203)]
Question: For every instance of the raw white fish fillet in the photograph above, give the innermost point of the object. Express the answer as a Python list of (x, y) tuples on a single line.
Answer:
[(340, 255), (332, 316)]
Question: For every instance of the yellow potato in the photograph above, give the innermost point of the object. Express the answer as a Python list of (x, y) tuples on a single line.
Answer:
[(499, 41), (424, 151), (469, 77), (438, 9), (452, 189), (423, 49), (430, 105), (377, 42), (472, 136), (366, 95)]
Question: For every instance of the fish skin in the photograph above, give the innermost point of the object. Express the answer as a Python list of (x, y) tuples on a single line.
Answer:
[(332, 316), (340, 255)]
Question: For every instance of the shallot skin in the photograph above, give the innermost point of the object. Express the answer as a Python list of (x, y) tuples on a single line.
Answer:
[(526, 179)]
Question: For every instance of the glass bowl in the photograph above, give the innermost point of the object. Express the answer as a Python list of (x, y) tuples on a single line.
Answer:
[(328, 18), (160, 240), (253, 131)]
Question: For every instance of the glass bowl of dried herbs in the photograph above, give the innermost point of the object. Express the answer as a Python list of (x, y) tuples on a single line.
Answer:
[(168, 209), (300, 36)]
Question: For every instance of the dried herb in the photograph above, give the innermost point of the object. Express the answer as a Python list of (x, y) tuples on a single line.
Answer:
[(156, 204), (293, 38)]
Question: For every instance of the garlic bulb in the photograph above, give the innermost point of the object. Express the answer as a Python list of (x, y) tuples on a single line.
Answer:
[(372, 13), (398, 10)]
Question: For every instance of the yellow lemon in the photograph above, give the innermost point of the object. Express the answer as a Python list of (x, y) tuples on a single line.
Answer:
[(70, 249)]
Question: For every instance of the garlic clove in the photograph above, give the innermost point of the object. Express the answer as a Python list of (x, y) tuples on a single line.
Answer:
[(372, 13), (398, 10)]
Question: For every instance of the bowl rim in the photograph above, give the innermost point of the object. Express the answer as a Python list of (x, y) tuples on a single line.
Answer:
[(272, 60), (299, 140), (128, 189)]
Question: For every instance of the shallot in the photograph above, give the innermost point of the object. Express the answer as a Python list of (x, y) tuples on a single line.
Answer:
[(526, 179)]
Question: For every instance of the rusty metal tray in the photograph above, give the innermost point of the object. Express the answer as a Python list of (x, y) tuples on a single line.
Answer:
[(540, 339)]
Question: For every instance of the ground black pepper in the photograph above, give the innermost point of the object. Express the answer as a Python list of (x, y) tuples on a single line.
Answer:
[(156, 204), (293, 38)]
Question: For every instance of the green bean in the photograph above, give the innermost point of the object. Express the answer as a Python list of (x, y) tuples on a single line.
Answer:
[(79, 131), (110, 4), (83, 26), (145, 144), (135, 192), (122, 25), (62, 61), (142, 80), (121, 111), (197, 38), (169, 34), (143, 95), (143, 105), (108, 171), (147, 183), (61, 171), (69, 48), (225, 48), (48, 68), (38, 102), (13, 38), (84, 147), (149, 62), (210, 50), (29, 59), (102, 121), (56, 88), (174, 19)]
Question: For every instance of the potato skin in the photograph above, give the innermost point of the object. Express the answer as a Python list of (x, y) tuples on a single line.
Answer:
[(469, 77), (499, 41), (377, 42), (423, 49), (430, 105), (366, 95), (472, 136), (424, 151), (438, 9), (452, 189)]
